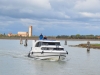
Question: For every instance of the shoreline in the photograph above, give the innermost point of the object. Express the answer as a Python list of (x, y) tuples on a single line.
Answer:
[(53, 38), (94, 46)]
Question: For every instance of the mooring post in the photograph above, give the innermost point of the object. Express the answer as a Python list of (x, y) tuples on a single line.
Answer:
[(21, 41), (65, 42), (88, 46), (25, 42)]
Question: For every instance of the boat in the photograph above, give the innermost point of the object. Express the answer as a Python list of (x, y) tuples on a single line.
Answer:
[(47, 50)]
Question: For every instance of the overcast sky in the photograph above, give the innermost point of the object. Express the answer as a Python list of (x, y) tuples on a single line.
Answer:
[(50, 17)]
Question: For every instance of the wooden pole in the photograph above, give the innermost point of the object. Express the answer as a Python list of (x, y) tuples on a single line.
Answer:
[(88, 46), (25, 42), (21, 41), (65, 42)]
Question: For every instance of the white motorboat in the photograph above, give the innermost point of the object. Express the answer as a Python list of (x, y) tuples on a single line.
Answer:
[(47, 50)]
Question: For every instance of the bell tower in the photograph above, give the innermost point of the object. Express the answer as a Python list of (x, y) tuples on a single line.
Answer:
[(30, 31)]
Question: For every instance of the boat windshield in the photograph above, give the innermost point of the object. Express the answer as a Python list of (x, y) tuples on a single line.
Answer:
[(47, 43)]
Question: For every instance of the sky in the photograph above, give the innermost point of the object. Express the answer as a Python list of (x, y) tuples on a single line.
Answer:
[(50, 17)]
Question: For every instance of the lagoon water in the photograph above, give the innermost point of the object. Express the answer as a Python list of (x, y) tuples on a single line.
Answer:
[(14, 60)]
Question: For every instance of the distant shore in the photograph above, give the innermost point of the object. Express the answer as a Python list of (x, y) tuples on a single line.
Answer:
[(50, 38), (94, 46)]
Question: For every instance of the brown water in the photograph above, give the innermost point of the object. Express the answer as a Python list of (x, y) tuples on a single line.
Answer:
[(14, 60)]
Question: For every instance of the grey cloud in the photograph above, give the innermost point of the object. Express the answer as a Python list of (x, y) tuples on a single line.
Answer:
[(26, 9), (48, 13), (87, 6)]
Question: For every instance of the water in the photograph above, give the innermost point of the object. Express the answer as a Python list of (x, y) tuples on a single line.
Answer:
[(14, 60)]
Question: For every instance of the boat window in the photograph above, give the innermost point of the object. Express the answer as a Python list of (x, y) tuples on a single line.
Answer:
[(38, 44), (51, 43), (47, 43), (46, 48), (58, 49), (44, 43)]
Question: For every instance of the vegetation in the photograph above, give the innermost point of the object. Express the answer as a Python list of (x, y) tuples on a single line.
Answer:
[(78, 36), (96, 46)]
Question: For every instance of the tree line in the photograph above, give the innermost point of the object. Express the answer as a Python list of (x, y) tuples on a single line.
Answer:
[(78, 36)]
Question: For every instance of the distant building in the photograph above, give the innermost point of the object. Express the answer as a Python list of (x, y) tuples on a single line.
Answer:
[(24, 34), (9, 34), (30, 31)]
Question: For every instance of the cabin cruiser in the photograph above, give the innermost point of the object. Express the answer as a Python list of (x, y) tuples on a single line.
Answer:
[(47, 50)]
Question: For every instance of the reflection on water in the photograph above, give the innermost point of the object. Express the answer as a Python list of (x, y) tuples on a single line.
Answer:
[(88, 51), (14, 60)]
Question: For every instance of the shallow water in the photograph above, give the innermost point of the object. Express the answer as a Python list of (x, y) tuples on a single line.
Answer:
[(14, 60)]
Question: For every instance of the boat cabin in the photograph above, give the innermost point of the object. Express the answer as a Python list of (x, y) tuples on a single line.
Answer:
[(49, 45)]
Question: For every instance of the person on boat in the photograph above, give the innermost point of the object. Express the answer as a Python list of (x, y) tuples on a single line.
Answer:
[(45, 38), (41, 37)]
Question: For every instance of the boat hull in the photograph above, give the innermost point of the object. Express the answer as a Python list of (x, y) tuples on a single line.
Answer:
[(48, 55)]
